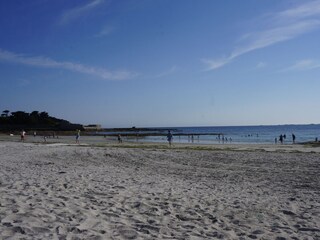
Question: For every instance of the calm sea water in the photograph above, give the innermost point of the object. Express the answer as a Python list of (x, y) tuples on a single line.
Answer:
[(241, 134)]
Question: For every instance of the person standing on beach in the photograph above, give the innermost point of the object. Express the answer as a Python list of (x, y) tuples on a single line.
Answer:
[(78, 137), (22, 135), (169, 138), (119, 138), (293, 138)]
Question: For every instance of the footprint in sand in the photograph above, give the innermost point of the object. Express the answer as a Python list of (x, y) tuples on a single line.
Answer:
[(128, 233)]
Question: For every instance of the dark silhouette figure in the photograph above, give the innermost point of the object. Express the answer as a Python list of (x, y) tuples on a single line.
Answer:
[(281, 139), (293, 138), (169, 138)]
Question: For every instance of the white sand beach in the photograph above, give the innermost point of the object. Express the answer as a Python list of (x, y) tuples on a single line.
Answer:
[(149, 191)]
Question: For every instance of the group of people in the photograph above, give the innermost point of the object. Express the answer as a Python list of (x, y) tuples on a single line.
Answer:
[(283, 137), (23, 136), (169, 138), (223, 139)]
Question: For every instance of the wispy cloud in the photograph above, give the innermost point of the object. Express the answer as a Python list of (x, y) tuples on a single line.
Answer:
[(106, 30), (166, 73), (75, 67), (302, 65), (284, 26), (214, 64), (261, 65), (308, 9), (75, 13)]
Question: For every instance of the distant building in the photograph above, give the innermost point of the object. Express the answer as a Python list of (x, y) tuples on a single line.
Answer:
[(92, 127)]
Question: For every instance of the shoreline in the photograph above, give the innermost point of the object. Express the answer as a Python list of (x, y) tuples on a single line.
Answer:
[(100, 141), (205, 135)]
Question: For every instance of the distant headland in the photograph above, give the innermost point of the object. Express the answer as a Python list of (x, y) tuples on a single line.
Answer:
[(12, 121)]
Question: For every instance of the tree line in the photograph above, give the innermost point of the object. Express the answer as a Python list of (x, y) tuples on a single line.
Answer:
[(34, 120)]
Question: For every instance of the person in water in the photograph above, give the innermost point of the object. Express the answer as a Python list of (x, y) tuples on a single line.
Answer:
[(169, 138), (281, 139), (293, 138)]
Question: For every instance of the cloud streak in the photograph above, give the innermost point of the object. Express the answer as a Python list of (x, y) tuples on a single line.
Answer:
[(286, 25), (106, 30), (308, 9), (75, 13), (303, 65), (75, 67), (166, 73)]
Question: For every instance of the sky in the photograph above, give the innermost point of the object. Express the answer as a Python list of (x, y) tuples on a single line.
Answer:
[(162, 63)]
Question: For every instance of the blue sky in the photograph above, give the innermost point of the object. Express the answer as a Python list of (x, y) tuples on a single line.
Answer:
[(162, 63)]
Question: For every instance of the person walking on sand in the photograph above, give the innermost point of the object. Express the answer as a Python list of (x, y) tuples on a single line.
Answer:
[(293, 138), (78, 137), (169, 138), (119, 139), (22, 135)]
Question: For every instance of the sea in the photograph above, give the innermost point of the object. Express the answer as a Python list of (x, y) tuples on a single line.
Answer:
[(231, 134)]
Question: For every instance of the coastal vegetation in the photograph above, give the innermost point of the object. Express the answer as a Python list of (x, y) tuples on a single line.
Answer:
[(34, 121)]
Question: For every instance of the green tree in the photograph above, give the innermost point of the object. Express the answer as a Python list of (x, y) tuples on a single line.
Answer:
[(44, 115), (35, 114), (5, 113), (20, 117), (34, 118)]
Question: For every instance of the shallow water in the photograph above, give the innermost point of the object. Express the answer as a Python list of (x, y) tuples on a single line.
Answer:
[(237, 134)]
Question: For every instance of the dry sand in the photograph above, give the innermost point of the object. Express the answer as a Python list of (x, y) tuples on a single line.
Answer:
[(148, 191)]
